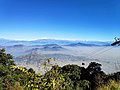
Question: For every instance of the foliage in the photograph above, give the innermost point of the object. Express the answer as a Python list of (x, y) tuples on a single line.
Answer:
[(5, 59), (73, 74), (68, 77)]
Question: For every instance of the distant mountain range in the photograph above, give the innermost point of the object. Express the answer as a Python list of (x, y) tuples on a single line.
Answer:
[(90, 44), (47, 47), (19, 43), (17, 47)]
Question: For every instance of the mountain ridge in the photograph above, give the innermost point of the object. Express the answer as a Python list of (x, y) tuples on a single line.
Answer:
[(7, 42)]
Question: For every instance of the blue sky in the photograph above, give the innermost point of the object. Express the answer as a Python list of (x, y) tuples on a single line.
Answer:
[(60, 19)]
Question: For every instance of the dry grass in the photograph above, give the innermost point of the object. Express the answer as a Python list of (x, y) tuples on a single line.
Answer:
[(111, 85)]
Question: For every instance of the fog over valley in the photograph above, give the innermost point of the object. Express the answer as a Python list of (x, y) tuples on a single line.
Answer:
[(32, 54)]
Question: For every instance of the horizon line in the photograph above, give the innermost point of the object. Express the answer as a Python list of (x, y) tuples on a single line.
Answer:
[(54, 39)]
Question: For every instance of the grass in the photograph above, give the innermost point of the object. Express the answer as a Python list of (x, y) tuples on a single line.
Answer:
[(111, 85)]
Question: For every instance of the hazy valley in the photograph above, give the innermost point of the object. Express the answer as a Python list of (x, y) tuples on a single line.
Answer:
[(32, 54)]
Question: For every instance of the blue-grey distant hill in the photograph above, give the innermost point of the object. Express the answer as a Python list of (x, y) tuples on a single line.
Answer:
[(5, 42), (47, 47), (89, 44)]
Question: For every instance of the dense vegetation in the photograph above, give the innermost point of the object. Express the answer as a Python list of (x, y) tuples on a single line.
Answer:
[(68, 77)]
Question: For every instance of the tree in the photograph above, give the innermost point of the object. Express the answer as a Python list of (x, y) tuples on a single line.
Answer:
[(31, 70), (95, 75), (5, 59), (74, 73)]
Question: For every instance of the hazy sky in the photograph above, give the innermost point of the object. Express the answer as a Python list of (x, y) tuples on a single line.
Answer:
[(60, 19)]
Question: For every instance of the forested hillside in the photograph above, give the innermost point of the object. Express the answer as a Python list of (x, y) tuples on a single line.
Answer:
[(68, 77)]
